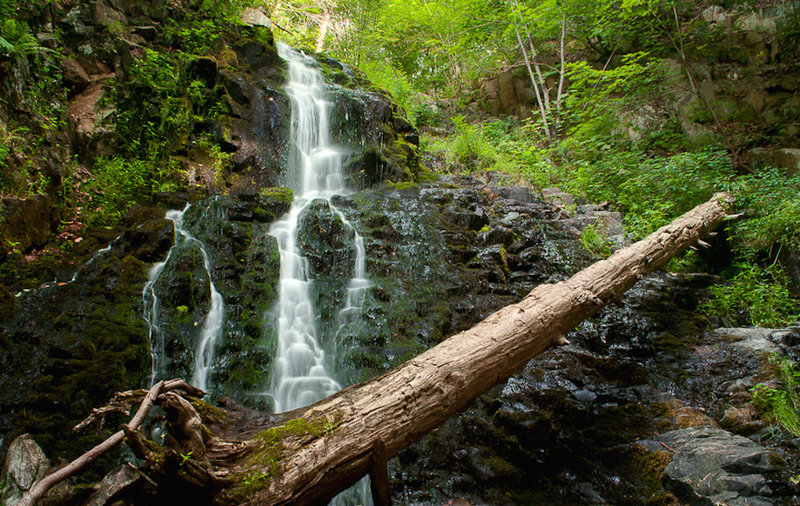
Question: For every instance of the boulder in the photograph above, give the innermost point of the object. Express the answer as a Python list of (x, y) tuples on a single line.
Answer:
[(714, 14), (785, 158), (713, 466), (74, 75), (25, 464), (255, 17), (25, 223), (754, 339)]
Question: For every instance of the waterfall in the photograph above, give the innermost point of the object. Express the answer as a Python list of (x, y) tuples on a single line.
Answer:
[(300, 374), (212, 326)]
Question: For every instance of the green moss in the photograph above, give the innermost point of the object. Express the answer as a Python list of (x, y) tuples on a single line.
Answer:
[(649, 469), (279, 194), (264, 462), (210, 413), (402, 185)]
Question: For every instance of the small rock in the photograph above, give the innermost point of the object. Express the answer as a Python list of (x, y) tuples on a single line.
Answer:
[(75, 76), (584, 396), (107, 16), (557, 197)]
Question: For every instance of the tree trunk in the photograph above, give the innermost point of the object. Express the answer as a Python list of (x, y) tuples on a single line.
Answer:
[(318, 451)]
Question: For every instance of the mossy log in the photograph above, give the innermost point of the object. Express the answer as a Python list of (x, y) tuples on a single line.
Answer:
[(311, 454)]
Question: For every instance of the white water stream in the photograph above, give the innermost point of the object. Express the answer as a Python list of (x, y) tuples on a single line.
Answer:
[(212, 326), (300, 373)]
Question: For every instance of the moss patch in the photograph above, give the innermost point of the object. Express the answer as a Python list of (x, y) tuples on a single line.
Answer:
[(265, 459)]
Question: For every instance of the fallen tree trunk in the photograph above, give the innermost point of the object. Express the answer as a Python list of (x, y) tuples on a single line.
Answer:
[(314, 453), (328, 446)]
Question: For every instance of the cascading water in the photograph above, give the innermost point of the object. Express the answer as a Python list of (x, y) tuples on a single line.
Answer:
[(212, 326), (300, 376)]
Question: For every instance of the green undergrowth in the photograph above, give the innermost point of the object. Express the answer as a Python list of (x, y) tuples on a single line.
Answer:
[(781, 405), (753, 295)]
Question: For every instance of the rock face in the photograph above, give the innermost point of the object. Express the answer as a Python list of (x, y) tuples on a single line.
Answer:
[(713, 466)]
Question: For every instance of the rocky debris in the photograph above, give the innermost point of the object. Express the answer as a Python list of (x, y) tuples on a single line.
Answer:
[(713, 466), (25, 464)]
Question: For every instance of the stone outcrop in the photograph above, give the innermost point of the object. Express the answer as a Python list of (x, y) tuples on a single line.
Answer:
[(713, 466)]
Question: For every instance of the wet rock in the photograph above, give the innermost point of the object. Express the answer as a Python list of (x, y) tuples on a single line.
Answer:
[(258, 56), (759, 340), (25, 463), (325, 242), (150, 241), (712, 465)]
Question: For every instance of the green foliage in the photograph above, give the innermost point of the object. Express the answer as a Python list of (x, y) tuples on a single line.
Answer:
[(652, 190), (397, 83), (594, 240), (772, 204), (468, 149), (781, 405), (754, 296), (117, 184), (195, 35), (600, 99)]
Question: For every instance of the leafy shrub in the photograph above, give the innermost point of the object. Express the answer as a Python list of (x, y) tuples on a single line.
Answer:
[(116, 186), (755, 296), (652, 191), (595, 242), (772, 202), (781, 405)]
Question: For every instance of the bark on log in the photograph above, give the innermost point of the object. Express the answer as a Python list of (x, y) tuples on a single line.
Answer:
[(318, 451)]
